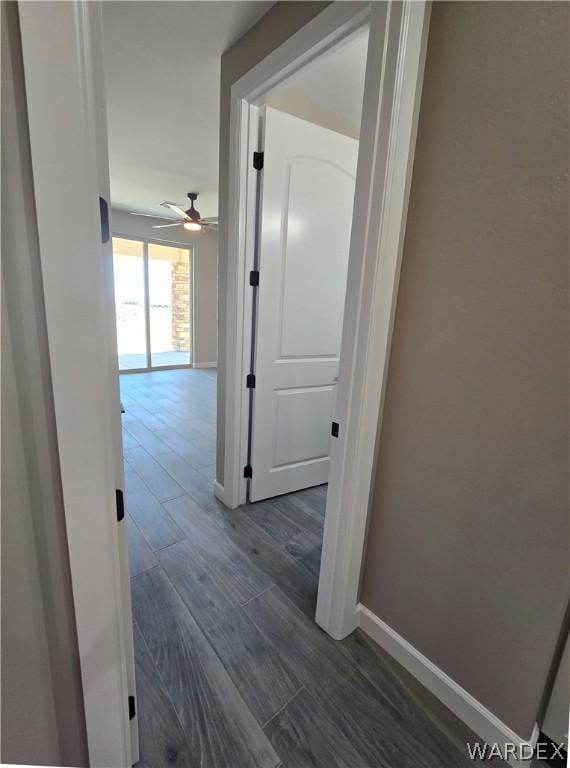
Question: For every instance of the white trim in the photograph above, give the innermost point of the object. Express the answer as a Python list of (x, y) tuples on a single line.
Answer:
[(394, 73), (219, 491), (62, 56), (243, 128), (213, 364), (474, 714), (394, 76), (98, 119)]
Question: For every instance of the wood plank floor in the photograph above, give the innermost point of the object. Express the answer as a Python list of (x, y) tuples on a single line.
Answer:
[(232, 671)]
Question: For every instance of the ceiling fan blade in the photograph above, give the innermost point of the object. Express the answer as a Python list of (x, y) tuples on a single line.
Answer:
[(163, 226), (210, 220), (149, 215), (176, 208)]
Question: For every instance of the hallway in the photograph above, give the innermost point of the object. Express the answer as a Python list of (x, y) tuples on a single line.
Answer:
[(232, 672)]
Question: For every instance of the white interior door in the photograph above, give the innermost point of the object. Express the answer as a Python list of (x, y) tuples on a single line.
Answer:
[(306, 215)]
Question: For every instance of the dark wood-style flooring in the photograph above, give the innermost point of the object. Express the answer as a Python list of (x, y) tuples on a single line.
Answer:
[(232, 671)]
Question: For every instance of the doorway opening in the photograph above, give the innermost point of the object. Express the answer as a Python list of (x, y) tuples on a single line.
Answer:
[(153, 305), (297, 209)]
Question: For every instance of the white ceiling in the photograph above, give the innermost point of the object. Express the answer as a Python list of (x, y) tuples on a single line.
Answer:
[(162, 67), (334, 82)]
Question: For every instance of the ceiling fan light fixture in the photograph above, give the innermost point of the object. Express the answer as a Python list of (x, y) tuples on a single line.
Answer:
[(193, 226)]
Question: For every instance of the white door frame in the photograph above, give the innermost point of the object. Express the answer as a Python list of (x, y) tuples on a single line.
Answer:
[(394, 75), (62, 54)]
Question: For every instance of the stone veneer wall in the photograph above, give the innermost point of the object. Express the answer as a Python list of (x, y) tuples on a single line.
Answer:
[(181, 305)]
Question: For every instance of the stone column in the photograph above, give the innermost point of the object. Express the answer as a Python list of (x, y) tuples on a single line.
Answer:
[(181, 309)]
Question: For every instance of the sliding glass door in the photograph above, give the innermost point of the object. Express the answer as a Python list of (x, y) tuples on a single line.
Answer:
[(153, 298), (130, 292), (169, 305)]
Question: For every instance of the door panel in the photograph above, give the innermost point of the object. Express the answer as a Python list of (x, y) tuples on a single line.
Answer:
[(301, 418), (306, 214), (311, 308)]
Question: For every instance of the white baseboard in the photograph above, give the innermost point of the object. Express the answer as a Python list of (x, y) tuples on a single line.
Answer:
[(488, 727), (206, 365), (219, 492)]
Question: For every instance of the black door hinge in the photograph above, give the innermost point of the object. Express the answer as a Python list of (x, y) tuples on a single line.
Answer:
[(258, 160), (104, 213), (250, 381), (248, 471), (120, 504), (254, 277), (132, 707), (334, 429)]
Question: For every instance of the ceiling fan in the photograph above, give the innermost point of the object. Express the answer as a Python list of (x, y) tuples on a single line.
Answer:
[(189, 219)]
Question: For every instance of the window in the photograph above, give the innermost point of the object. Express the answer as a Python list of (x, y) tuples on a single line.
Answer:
[(153, 302)]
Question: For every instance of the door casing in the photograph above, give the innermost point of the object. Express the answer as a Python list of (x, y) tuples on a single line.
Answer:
[(63, 70)]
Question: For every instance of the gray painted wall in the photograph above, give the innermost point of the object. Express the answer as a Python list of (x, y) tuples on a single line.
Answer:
[(205, 245), (42, 705), (281, 21), (468, 542)]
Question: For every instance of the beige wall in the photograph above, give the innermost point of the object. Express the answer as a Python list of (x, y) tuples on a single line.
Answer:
[(295, 101), (206, 299), (468, 542), (281, 21), (42, 705), (205, 245)]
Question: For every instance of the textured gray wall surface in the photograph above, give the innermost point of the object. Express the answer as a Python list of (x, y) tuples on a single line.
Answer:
[(467, 552)]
